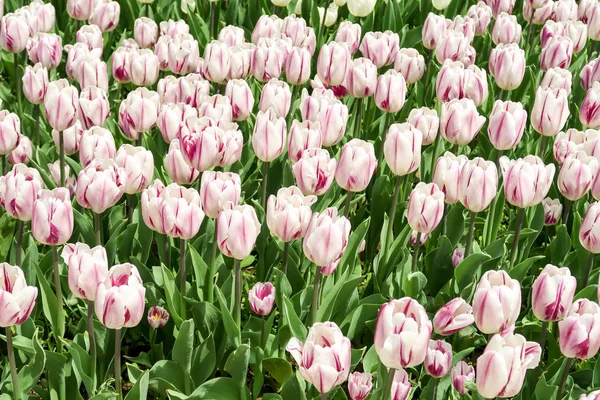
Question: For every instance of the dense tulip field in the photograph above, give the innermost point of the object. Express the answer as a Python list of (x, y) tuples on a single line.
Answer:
[(299, 199)]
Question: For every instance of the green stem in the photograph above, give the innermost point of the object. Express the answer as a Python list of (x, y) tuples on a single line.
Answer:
[(435, 386), (469, 244), (436, 145), (315, 296), (58, 289), (92, 338), (566, 212), (543, 142), (324, 17), (211, 278), (3, 164), (387, 392), (61, 154), (17, 81), (588, 269), (237, 307), (515, 246), (358, 116), (544, 334), (13, 364), (563, 380), (390, 231), (212, 19), (98, 228), (36, 110), (428, 76), (416, 252), (284, 260), (167, 248), (182, 276), (323, 396), (19, 240), (348, 202), (262, 331), (443, 228), (263, 198), (117, 363)]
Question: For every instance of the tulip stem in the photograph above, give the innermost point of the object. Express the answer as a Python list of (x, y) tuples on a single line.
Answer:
[(17, 81), (588, 269), (566, 211), (515, 246), (92, 338), (443, 228), (434, 390), (212, 19), (357, 120), (387, 392), (348, 202), (19, 240), (322, 32), (237, 307), (11, 361), (262, 331), (415, 259), (3, 164), (428, 77), (211, 277), (182, 276), (390, 231), (264, 187), (284, 260), (61, 154), (315, 295), (543, 142), (36, 111), (436, 145), (98, 228), (58, 289), (469, 244), (167, 248), (323, 396), (117, 363), (561, 388), (130, 208), (544, 334)]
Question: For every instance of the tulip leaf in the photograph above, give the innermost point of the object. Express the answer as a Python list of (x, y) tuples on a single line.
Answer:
[(466, 271), (31, 372), (519, 271), (201, 272), (230, 326), (139, 391), (544, 391), (167, 374), (218, 389), (204, 361), (297, 328), (164, 278), (50, 302), (183, 346), (85, 228), (237, 364), (279, 369), (81, 365)]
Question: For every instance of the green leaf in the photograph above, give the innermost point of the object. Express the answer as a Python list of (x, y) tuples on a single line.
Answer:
[(164, 278), (279, 369), (85, 228), (543, 390), (201, 272), (296, 326), (184, 345), (50, 305), (237, 364), (204, 361), (230, 326), (139, 391), (167, 374), (81, 365), (519, 272), (30, 373), (217, 389), (466, 271)]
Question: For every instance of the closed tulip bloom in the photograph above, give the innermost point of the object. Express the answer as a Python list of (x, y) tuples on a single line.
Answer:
[(438, 358), (217, 108), (410, 64), (451, 45), (184, 56), (552, 210), (326, 237), (138, 164), (105, 14), (552, 293), (143, 67), (333, 63), (427, 121), (46, 49), (390, 91), (14, 33), (361, 8), (402, 333), (120, 298), (19, 189), (200, 147), (177, 169), (217, 190), (565, 10), (138, 112), (441, 4), (314, 172), (412, 239), (595, 395), (458, 256), (507, 66), (450, 81), (558, 78), (80, 52), (332, 119), (557, 52), (463, 24), (35, 83), (577, 175), (502, 367), (567, 144), (589, 115), (88, 267), (100, 185), (593, 23), (92, 72), (356, 166), (350, 34), (462, 373), (16, 298), (231, 35), (91, 36), (481, 14), (266, 62), (289, 213), (324, 357), (551, 30), (22, 153), (121, 64), (96, 144), (425, 207), (262, 298), (266, 26), (526, 180), (80, 9), (459, 121), (268, 139), (330, 14), (172, 28), (446, 175), (52, 218), (496, 291), (577, 31), (94, 107), (538, 16), (401, 385), (277, 96), (455, 315), (359, 385), (216, 62), (434, 26), (70, 181), (303, 136), (507, 124), (44, 13), (589, 232), (61, 104), (506, 30), (475, 84), (550, 111), (237, 230), (145, 32), (242, 100), (477, 184), (10, 132), (71, 138), (402, 148), (500, 6), (297, 66), (380, 47), (578, 332)]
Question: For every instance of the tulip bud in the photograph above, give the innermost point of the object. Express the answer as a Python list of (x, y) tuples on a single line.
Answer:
[(120, 298), (138, 112), (314, 172), (91, 36), (390, 91), (552, 293), (402, 333), (564, 10), (172, 28), (451, 45), (402, 148), (502, 367), (10, 132), (121, 64), (268, 139), (462, 373), (446, 175), (267, 62), (557, 53), (297, 66), (526, 180), (558, 78), (481, 14), (450, 81), (356, 166), (145, 32), (507, 124), (52, 218), (400, 385), (46, 49), (138, 164), (70, 181), (16, 298), (425, 207), (61, 104), (92, 72), (22, 153), (177, 169), (589, 231), (539, 15), (94, 107), (588, 112), (266, 26), (567, 144), (496, 291), (289, 213), (455, 315), (332, 118), (277, 96), (425, 120), (303, 136), (500, 6), (507, 66), (477, 184), (96, 143), (577, 175), (414, 235), (475, 84), (242, 100), (262, 298), (14, 33), (458, 256), (441, 4), (45, 14), (576, 332), (349, 33), (577, 31), (143, 67), (71, 138), (19, 189), (105, 14), (184, 56), (380, 47), (324, 358), (433, 28), (550, 111), (216, 62), (552, 210), (100, 176), (199, 147), (35, 83), (551, 30), (359, 385), (438, 358), (595, 395), (410, 64), (593, 23), (237, 230), (218, 190), (87, 269), (326, 237), (333, 63), (80, 9), (459, 121), (158, 317)]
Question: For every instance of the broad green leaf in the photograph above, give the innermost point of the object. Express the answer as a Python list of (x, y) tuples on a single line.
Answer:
[(278, 368), (139, 391), (184, 344)]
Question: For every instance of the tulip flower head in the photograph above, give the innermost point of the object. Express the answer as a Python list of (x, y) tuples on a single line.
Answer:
[(16, 298)]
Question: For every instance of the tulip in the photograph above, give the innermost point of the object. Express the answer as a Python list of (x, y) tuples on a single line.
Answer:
[(138, 164), (551, 30), (477, 184), (380, 47), (10, 132), (552, 210), (539, 15), (410, 64), (145, 32), (332, 119), (558, 78), (438, 358), (314, 172), (70, 182), (199, 146), (414, 236), (402, 148), (46, 49), (496, 291), (451, 45), (100, 185), (550, 111), (217, 190), (177, 169), (105, 14), (324, 357), (588, 231), (96, 143), (460, 121), (266, 26), (94, 107), (390, 91), (565, 10), (458, 256), (170, 116), (143, 67), (402, 333), (475, 84), (242, 100), (333, 63), (588, 112), (61, 104), (277, 96), (52, 218), (425, 120), (465, 25), (262, 298), (35, 83), (19, 189), (297, 66), (577, 175), (80, 9), (454, 316), (462, 373), (526, 180), (425, 207), (138, 112), (577, 31), (557, 52), (507, 124), (45, 13), (184, 55), (507, 66), (400, 385), (231, 35), (161, 49), (14, 33), (450, 81), (120, 298), (361, 8), (158, 317), (303, 136), (121, 65), (502, 367), (446, 175), (16, 298), (500, 6), (22, 153), (217, 108), (91, 36), (552, 293), (216, 62), (350, 34), (593, 23), (172, 28), (441, 4), (567, 144), (595, 395), (577, 336), (190, 89), (268, 139), (326, 224), (356, 166), (92, 72), (359, 385), (88, 268), (237, 230), (434, 26), (481, 14), (266, 62), (289, 213)]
